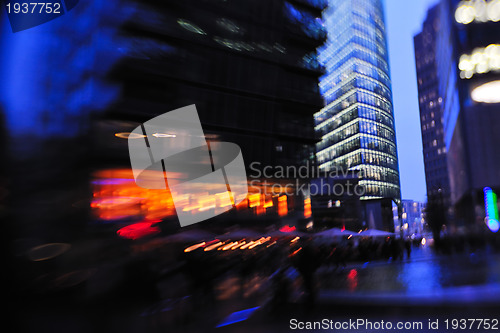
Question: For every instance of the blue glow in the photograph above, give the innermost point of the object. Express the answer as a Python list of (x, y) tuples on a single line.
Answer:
[(310, 25), (238, 316), (491, 209), (55, 72), (493, 225)]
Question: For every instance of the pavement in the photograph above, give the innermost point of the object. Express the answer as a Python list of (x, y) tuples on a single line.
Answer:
[(425, 287)]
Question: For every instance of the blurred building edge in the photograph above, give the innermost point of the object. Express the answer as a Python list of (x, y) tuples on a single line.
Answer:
[(249, 66), (467, 68), (431, 118), (55, 82), (357, 124)]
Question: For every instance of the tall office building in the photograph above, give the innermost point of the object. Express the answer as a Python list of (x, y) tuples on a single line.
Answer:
[(357, 124), (467, 57), (431, 110)]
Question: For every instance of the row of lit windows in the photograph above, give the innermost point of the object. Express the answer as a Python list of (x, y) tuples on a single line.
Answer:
[(364, 13), (338, 19), (341, 133), (370, 127), (370, 98), (329, 113), (338, 46), (341, 85), (340, 119), (368, 12), (342, 149), (426, 126), (375, 114), (379, 184), (358, 111), (380, 190), (359, 66), (339, 115), (331, 142), (355, 144), (373, 71), (340, 34), (329, 82), (426, 107), (431, 135), (344, 162), (358, 81), (363, 156), (343, 40), (429, 95), (355, 96), (373, 85), (350, 79), (380, 173), (357, 52), (374, 143), (371, 31), (379, 158)]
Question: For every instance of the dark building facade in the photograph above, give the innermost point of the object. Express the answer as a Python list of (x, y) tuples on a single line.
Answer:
[(336, 202), (467, 54), (249, 66), (431, 110)]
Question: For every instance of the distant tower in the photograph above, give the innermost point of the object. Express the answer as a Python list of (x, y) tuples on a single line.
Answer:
[(431, 109)]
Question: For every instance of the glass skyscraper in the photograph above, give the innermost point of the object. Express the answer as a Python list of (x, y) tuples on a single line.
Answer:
[(357, 123)]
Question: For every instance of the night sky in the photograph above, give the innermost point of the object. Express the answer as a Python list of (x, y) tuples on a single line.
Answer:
[(403, 20)]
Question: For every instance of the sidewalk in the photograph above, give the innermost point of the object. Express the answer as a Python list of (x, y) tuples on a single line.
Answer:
[(483, 295)]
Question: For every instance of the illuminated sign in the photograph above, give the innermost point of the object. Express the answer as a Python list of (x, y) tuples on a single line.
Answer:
[(482, 60), (491, 209), (478, 11)]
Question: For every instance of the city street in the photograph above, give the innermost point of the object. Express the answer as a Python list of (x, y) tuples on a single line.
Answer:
[(422, 288), (250, 166)]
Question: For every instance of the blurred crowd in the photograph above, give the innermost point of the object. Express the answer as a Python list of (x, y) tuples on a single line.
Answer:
[(166, 283)]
